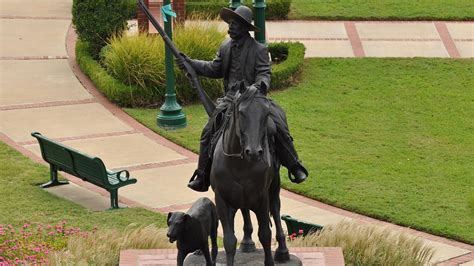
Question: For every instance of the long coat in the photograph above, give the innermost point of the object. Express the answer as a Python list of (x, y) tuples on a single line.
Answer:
[(255, 63)]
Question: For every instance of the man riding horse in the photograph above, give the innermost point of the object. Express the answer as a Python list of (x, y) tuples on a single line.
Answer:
[(241, 59)]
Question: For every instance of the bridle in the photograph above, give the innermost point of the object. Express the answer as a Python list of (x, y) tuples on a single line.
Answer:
[(235, 113)]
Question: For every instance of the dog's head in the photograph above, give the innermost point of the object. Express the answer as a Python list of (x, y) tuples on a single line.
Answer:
[(178, 222)]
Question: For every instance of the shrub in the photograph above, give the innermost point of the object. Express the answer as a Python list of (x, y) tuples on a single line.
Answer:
[(131, 9), (96, 20), (103, 248), (369, 245), (287, 61), (138, 62), (115, 90), (276, 9), (287, 58)]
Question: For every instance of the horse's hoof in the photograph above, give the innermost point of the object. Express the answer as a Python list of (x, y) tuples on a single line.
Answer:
[(282, 256), (247, 247)]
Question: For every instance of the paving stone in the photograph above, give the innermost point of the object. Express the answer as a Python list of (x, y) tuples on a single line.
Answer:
[(309, 213), (466, 49), (397, 30), (461, 30), (299, 29), (444, 251), (469, 263), (37, 81), (121, 151), (20, 37), (82, 196), (42, 8), (328, 49), (60, 121), (404, 49), (164, 186)]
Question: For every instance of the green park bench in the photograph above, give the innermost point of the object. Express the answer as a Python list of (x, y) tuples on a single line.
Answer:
[(294, 226), (90, 169)]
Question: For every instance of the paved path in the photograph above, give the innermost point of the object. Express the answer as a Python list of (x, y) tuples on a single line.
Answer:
[(375, 38), (43, 90)]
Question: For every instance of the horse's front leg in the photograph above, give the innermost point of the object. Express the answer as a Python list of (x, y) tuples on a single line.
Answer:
[(281, 253), (226, 215), (264, 232), (247, 244)]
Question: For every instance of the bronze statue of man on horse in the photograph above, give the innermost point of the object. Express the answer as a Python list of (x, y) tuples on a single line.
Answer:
[(241, 59), (245, 140)]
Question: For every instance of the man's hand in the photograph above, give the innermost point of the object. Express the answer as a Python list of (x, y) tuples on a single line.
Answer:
[(180, 61)]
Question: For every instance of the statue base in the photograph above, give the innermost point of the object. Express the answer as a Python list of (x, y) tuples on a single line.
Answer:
[(251, 258)]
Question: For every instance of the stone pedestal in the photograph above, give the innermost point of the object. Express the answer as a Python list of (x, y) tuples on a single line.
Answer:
[(253, 258), (327, 256)]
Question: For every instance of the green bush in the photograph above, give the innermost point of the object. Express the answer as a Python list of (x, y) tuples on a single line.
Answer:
[(96, 20), (276, 9), (138, 62), (131, 9), (133, 60), (287, 60)]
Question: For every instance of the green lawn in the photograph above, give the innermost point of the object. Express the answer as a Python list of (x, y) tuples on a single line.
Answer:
[(390, 138), (382, 10), (23, 201)]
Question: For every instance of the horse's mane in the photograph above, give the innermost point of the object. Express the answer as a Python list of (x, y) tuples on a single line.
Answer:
[(248, 94)]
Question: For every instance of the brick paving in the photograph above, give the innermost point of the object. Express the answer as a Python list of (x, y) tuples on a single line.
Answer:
[(84, 117)]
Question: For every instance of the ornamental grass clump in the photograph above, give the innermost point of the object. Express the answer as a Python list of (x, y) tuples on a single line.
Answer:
[(138, 61), (369, 245), (32, 244), (103, 248)]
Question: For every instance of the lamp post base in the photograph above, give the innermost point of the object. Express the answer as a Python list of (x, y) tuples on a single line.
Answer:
[(171, 116)]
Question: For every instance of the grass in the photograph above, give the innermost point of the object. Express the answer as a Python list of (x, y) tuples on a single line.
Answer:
[(20, 192), (389, 138), (369, 245), (103, 247), (382, 10)]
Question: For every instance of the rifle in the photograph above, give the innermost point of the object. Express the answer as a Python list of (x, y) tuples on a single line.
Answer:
[(190, 73)]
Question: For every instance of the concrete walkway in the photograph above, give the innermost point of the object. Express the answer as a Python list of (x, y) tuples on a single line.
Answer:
[(373, 38), (43, 90)]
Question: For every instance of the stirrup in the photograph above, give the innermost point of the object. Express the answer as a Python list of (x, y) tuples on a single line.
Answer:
[(198, 182), (294, 180), (195, 174)]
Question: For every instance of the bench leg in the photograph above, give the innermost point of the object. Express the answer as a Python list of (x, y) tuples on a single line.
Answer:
[(114, 199), (54, 178)]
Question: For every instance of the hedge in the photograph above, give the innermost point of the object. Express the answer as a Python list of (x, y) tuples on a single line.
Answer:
[(291, 56), (283, 73), (276, 9)]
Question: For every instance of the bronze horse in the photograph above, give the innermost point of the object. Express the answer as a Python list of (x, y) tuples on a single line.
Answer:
[(245, 174)]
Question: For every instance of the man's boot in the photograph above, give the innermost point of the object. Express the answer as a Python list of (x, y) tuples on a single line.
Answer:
[(200, 180), (289, 158)]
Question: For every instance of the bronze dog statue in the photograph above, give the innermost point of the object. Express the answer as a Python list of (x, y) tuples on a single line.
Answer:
[(192, 229)]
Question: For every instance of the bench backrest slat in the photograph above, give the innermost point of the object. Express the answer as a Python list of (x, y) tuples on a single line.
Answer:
[(57, 155), (91, 168)]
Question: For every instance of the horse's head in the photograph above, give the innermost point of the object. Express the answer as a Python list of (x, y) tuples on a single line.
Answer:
[(252, 109)]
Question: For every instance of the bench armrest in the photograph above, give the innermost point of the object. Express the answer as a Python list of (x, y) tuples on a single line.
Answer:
[(121, 177)]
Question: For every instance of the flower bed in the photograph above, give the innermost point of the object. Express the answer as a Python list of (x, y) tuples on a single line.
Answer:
[(32, 244)]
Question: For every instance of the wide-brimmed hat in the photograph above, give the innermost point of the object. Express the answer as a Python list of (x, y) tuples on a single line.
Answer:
[(242, 14)]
